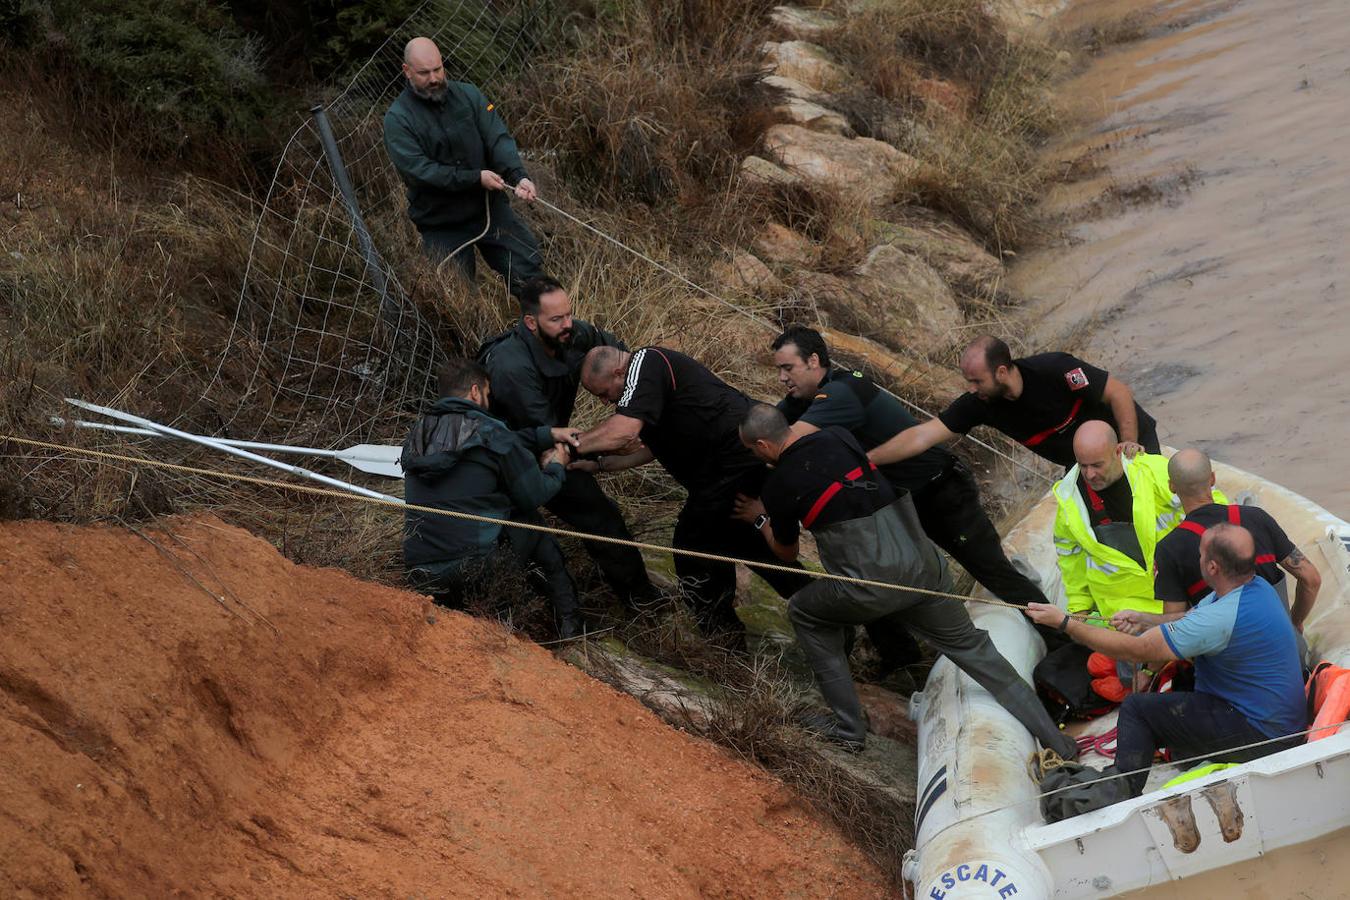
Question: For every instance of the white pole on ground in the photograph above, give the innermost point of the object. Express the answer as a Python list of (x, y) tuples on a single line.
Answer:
[(226, 448), (375, 459)]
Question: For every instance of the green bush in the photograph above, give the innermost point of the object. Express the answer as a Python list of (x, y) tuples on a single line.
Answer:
[(187, 72)]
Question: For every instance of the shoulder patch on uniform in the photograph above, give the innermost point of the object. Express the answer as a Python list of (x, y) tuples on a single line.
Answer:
[(1076, 379)]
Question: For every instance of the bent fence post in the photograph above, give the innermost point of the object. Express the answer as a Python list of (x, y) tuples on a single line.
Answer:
[(391, 311)]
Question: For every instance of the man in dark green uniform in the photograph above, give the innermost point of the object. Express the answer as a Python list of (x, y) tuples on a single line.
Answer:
[(453, 151), (536, 369)]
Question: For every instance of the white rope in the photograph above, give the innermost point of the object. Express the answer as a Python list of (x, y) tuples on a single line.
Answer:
[(755, 317), (527, 526), (487, 224)]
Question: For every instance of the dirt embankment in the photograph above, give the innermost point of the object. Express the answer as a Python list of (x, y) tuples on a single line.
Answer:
[(304, 733)]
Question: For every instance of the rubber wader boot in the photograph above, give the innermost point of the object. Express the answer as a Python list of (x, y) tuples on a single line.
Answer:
[(846, 726), (1020, 700)]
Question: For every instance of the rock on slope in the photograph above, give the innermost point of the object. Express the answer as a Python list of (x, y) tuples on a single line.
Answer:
[(302, 733)]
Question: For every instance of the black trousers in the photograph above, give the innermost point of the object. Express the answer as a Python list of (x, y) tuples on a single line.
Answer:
[(707, 526), (1189, 724), (509, 246), (451, 583), (584, 506), (951, 515)]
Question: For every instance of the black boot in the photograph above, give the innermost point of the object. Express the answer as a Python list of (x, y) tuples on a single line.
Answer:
[(567, 615), (845, 725)]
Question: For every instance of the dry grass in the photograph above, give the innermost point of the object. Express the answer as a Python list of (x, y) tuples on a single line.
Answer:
[(945, 84)]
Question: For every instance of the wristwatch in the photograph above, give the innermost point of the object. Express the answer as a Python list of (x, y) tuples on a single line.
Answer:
[(1064, 626), (760, 521)]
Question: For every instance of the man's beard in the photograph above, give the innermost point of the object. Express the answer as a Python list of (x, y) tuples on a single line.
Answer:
[(434, 94), (557, 343)]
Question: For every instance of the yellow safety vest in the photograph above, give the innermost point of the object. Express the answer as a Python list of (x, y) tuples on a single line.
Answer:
[(1101, 578)]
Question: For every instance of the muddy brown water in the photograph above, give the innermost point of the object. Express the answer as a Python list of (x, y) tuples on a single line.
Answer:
[(1209, 268), (1211, 252)]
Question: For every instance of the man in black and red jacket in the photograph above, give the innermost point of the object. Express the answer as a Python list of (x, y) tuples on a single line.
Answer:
[(1177, 581), (1038, 401), (864, 528)]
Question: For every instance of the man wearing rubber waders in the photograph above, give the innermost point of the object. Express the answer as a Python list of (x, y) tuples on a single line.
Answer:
[(452, 150), (1248, 679), (945, 494), (864, 528), (1039, 401)]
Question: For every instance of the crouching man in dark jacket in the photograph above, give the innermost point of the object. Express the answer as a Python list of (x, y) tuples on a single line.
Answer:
[(824, 482), (459, 457)]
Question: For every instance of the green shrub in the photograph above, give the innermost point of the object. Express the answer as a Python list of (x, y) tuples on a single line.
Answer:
[(186, 74)]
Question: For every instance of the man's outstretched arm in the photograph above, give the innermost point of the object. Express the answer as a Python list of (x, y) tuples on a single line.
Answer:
[(911, 442), (618, 432), (1120, 398), (1150, 646)]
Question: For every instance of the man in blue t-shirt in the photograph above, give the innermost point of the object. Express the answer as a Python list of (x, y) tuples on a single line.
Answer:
[(1248, 680)]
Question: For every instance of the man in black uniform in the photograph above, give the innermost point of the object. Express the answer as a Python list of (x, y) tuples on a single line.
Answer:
[(1038, 401), (823, 481), (456, 157), (535, 369), (459, 457), (944, 492), (1177, 580), (686, 418)]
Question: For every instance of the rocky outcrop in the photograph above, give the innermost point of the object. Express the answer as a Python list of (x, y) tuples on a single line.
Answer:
[(947, 247), (791, 87), (809, 63), (803, 24), (761, 171), (864, 167), (779, 244), (746, 274), (910, 297), (813, 116)]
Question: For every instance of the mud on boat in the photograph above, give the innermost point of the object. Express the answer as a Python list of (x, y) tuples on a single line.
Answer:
[(979, 830)]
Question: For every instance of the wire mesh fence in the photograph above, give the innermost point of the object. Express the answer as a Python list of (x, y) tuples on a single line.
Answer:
[(326, 339)]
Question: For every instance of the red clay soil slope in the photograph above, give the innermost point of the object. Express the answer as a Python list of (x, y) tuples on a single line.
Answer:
[(183, 711)]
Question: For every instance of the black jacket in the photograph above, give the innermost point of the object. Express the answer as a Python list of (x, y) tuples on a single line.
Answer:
[(531, 389), (439, 149), (459, 457)]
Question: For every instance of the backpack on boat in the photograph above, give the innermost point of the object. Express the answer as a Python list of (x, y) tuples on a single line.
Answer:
[(1064, 683)]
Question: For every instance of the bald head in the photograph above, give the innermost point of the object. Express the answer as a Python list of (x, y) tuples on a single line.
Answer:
[(423, 68), (603, 371), (1227, 557), (1191, 474), (421, 50), (1094, 447)]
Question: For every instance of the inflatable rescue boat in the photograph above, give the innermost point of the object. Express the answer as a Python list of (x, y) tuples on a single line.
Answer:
[(978, 823)]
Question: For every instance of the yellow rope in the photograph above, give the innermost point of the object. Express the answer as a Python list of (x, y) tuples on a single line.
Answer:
[(547, 529)]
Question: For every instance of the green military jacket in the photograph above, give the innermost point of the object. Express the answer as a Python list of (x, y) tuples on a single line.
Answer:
[(439, 149)]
